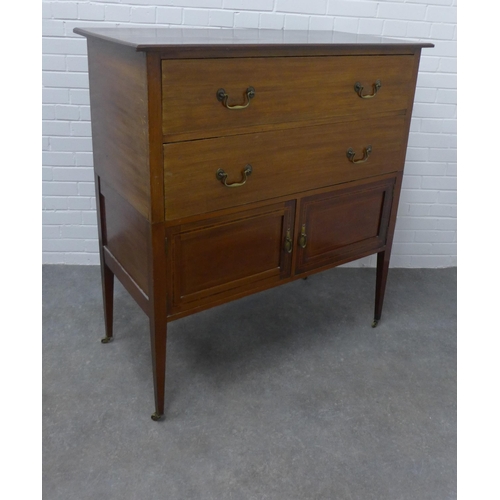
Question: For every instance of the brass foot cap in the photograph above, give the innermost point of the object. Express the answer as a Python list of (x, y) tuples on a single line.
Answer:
[(106, 340), (156, 416), (375, 323)]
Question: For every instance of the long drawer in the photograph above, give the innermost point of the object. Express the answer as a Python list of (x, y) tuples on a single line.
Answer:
[(197, 94), (270, 164)]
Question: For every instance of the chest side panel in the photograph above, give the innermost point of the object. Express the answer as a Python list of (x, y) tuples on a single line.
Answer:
[(119, 113)]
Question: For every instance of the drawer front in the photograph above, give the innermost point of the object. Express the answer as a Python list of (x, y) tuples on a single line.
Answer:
[(283, 162), (337, 226), (222, 257), (287, 89)]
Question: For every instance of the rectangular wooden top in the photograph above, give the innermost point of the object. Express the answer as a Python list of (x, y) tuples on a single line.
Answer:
[(243, 42)]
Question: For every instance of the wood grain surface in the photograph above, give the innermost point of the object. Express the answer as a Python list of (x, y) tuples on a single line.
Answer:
[(293, 89)]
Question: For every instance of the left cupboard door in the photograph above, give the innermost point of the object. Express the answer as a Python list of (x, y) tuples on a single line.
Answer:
[(230, 256)]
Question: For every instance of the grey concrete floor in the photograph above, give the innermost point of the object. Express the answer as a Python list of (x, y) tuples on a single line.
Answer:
[(287, 394)]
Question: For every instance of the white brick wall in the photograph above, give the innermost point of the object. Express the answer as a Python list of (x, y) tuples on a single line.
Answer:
[(426, 228)]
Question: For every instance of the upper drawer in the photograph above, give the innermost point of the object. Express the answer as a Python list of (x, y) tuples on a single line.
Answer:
[(282, 162), (287, 89)]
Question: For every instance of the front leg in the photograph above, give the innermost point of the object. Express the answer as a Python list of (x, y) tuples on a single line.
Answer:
[(158, 332), (158, 313)]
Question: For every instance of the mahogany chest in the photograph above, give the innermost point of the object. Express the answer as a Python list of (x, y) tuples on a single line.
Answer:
[(231, 161)]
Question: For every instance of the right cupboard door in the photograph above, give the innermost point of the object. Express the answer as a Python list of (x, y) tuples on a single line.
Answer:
[(343, 224)]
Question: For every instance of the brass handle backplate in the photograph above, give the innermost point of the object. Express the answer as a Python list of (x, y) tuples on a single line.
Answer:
[(222, 176), (366, 153), (358, 88), (303, 237), (288, 242), (223, 97)]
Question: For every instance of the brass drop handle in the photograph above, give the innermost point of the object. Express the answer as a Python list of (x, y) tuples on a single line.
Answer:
[(358, 88), (288, 242), (223, 97), (222, 176), (366, 153), (303, 237)]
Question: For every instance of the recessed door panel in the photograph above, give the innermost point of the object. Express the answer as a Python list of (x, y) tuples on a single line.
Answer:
[(336, 225), (227, 255)]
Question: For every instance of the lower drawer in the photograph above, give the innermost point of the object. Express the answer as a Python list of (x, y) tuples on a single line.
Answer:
[(282, 162)]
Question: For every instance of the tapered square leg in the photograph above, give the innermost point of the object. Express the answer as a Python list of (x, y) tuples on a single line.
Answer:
[(158, 333), (381, 281), (158, 315), (108, 282), (107, 276)]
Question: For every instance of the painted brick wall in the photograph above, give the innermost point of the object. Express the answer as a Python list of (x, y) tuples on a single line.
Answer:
[(426, 229)]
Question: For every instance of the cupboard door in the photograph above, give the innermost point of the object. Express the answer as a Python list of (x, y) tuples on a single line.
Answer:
[(343, 224), (226, 256)]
